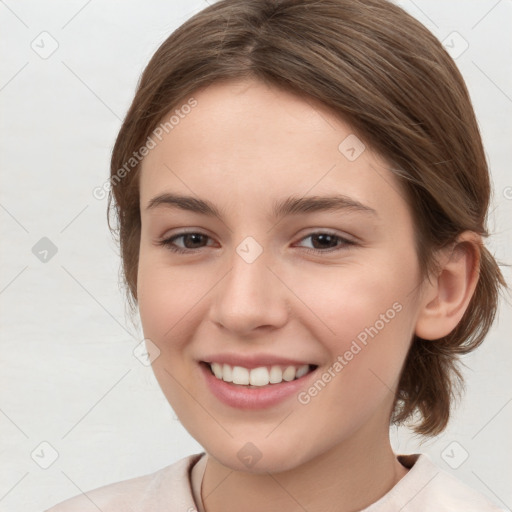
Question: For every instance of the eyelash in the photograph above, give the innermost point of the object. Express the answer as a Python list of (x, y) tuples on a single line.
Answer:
[(168, 243)]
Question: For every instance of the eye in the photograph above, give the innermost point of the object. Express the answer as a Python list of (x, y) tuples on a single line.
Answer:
[(189, 239), (322, 242), (327, 242)]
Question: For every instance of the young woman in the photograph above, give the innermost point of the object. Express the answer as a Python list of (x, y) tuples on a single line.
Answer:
[(301, 193)]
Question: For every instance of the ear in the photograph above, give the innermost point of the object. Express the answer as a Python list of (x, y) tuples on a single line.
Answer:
[(447, 294)]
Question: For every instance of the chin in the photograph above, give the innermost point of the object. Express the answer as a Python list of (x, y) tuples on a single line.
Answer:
[(250, 459)]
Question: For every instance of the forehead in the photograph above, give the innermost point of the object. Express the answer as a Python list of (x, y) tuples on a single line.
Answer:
[(246, 141)]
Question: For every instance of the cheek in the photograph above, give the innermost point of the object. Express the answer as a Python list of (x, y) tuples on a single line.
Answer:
[(345, 302), (170, 309), (363, 317), (168, 299)]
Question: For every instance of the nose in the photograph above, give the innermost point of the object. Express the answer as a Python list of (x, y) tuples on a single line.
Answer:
[(250, 298)]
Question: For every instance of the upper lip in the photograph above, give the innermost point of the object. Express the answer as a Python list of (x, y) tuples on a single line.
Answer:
[(253, 361)]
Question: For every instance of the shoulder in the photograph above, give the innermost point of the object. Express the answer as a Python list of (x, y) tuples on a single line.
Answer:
[(427, 487), (165, 490)]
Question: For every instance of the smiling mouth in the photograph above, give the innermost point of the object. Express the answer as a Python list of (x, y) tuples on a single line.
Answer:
[(258, 377)]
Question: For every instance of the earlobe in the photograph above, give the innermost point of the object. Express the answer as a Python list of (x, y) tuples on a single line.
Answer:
[(448, 294)]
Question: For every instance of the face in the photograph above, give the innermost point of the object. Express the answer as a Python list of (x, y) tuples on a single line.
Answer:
[(276, 252)]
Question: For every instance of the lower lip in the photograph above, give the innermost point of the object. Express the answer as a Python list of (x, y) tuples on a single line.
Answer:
[(243, 397)]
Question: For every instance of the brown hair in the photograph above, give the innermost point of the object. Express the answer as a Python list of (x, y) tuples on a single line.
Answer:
[(389, 78)]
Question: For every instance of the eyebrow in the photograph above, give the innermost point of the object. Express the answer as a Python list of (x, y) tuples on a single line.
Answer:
[(290, 206)]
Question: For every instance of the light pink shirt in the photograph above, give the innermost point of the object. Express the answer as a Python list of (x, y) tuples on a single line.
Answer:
[(177, 488)]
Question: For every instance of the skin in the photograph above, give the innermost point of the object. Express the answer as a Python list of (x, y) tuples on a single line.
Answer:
[(244, 146)]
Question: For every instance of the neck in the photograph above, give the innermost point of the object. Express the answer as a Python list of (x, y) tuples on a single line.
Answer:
[(348, 477)]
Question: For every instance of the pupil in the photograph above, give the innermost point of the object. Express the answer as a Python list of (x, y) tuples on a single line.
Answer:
[(193, 236), (324, 237)]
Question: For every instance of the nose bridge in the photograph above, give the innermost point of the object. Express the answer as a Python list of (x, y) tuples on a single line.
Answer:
[(250, 295)]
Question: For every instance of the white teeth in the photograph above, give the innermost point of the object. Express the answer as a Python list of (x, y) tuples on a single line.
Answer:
[(240, 375), (276, 375), (260, 376), (301, 371), (217, 370), (289, 374), (227, 373)]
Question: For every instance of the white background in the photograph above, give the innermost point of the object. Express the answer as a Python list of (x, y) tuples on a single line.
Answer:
[(68, 376)]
